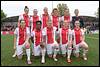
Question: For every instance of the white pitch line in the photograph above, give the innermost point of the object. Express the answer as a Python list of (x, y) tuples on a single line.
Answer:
[(92, 37)]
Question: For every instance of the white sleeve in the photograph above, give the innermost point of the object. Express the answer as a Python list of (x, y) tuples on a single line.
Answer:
[(62, 18), (54, 28), (31, 22), (70, 31), (82, 32), (28, 31), (59, 30), (51, 17), (31, 19), (70, 18), (16, 31), (32, 33), (40, 18), (20, 17), (44, 31)]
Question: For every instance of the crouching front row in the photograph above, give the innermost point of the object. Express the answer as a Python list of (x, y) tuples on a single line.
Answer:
[(46, 41)]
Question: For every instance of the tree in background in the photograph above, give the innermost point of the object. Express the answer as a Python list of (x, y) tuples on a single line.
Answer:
[(61, 8), (3, 15), (97, 13)]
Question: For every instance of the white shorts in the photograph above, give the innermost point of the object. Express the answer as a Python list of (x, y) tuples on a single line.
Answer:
[(19, 49), (50, 47), (77, 47), (63, 48), (37, 50)]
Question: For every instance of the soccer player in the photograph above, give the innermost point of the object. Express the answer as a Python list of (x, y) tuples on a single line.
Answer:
[(39, 46), (66, 40), (45, 17), (25, 16), (77, 18), (67, 17), (21, 38), (51, 44), (34, 18), (78, 40), (55, 18)]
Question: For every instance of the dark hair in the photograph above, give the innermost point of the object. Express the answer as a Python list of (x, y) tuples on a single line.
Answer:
[(54, 9), (26, 7), (38, 22), (22, 20)]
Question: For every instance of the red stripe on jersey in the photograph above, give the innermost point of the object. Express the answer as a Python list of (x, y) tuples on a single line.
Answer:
[(67, 18), (22, 35), (35, 18), (26, 18), (50, 38), (38, 37), (77, 35), (55, 20), (64, 34), (45, 18)]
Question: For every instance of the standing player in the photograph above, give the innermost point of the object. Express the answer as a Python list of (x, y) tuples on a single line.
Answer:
[(67, 17), (22, 34), (51, 44), (38, 44), (45, 17), (26, 17), (77, 18), (78, 40), (65, 40), (55, 18), (34, 18)]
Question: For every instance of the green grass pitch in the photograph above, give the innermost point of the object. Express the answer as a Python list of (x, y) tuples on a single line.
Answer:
[(7, 52)]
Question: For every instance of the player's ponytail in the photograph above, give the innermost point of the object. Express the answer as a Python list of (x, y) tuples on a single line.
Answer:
[(26, 7)]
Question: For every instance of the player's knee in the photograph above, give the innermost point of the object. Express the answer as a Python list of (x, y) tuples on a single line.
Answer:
[(27, 46), (86, 47), (64, 55), (77, 54), (20, 56), (50, 55)]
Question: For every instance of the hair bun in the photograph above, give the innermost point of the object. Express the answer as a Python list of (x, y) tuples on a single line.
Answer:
[(26, 7)]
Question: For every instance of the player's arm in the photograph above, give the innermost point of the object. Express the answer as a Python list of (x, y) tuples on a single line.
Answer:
[(28, 36), (70, 37), (15, 41), (73, 37), (15, 37), (44, 35), (82, 35)]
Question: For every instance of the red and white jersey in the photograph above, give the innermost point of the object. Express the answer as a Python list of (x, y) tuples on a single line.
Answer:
[(55, 20), (26, 18), (37, 35), (21, 34), (44, 19), (33, 20), (50, 34), (68, 18), (64, 35), (77, 34)]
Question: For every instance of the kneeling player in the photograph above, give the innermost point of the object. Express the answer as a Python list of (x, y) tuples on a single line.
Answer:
[(65, 40), (22, 34), (39, 46), (51, 44), (78, 40)]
